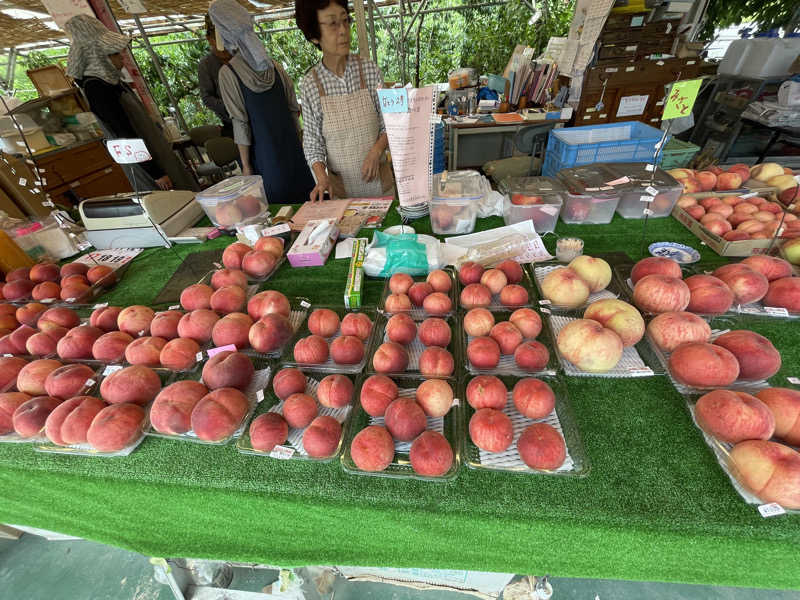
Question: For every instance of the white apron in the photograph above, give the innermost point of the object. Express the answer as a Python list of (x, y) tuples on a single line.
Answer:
[(351, 126)]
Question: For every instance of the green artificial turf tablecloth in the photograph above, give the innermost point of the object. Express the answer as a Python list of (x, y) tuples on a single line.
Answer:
[(656, 506)]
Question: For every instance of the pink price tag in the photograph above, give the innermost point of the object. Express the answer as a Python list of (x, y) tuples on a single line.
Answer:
[(213, 351)]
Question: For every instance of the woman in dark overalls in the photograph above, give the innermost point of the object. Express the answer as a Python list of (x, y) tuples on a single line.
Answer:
[(260, 99)]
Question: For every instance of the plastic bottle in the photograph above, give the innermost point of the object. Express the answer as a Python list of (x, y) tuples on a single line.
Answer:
[(12, 256)]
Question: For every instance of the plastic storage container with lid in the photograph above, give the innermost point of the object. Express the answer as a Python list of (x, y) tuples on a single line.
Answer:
[(234, 200), (770, 57), (589, 198), (631, 205), (12, 142), (454, 201), (536, 198)]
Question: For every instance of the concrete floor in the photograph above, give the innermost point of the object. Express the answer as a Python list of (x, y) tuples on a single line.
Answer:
[(33, 568)]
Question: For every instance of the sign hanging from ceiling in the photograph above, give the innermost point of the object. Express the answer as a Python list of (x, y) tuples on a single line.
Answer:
[(63, 10)]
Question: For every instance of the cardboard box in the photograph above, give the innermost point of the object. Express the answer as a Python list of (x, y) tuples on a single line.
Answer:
[(312, 250), (718, 244)]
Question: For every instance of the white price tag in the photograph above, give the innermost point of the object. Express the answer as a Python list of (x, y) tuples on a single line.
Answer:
[(48, 203), (545, 301), (174, 307), (260, 395), (270, 231), (128, 151), (773, 509), (111, 369), (778, 311), (23, 181), (545, 311), (305, 304), (650, 168), (7, 355), (456, 402), (282, 452), (640, 371), (50, 300), (792, 380), (750, 195), (217, 265), (100, 305), (90, 382), (651, 190), (646, 198), (647, 212), (199, 356)]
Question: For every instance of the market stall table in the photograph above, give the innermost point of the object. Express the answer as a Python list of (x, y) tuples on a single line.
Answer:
[(655, 506)]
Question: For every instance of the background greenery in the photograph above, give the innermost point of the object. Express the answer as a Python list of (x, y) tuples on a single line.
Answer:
[(482, 38)]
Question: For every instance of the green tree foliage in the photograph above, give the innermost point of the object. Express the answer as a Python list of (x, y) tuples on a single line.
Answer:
[(767, 14)]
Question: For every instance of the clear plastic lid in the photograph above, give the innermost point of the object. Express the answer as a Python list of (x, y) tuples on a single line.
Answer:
[(229, 189), (531, 186), (458, 184), (638, 175), (588, 179)]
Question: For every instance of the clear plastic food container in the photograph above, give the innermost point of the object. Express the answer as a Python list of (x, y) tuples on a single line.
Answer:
[(461, 78), (589, 198), (454, 201), (234, 200), (631, 205), (536, 198)]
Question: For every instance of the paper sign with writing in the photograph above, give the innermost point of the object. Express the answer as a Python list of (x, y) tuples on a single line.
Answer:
[(632, 105), (681, 99), (128, 151), (393, 100)]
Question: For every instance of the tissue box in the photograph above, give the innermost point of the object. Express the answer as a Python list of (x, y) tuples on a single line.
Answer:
[(313, 253)]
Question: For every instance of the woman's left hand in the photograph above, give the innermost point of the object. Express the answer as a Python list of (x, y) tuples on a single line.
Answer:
[(371, 166)]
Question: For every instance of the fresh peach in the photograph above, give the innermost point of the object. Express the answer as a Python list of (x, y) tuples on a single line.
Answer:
[(257, 264), (171, 412), (396, 303), (228, 369), (47, 290), (418, 292), (541, 447), (703, 365), (478, 322), (74, 268), (372, 449), (531, 356), (323, 322), (100, 274), (708, 295), (267, 431), (728, 181), (43, 343), (63, 317), (533, 398), (226, 277), (219, 414), (740, 169), (70, 421), (736, 236), (19, 289), (299, 410), (357, 324), (483, 352), (288, 381), (655, 265), (437, 303), (686, 201), (784, 403), (405, 419), (10, 366), (784, 293), (670, 330), (734, 416), (486, 391), (30, 417), (311, 349), (228, 299), (401, 329), (78, 342), (347, 350), (436, 362), (758, 358), (145, 351), (439, 280), (475, 295), (196, 296), (512, 270), (660, 293), (590, 346), (377, 392), (491, 430), (233, 254), (321, 439), (594, 271), (618, 316), (105, 318), (431, 454), (507, 336), (270, 333), (233, 328), (747, 285), (110, 347), (707, 180), (273, 245), (267, 302), (136, 384), (68, 381), (31, 378), (42, 272), (494, 279), (470, 272), (399, 283), (198, 325), (435, 396), (135, 320), (335, 391), (527, 321), (165, 324), (434, 332), (513, 295), (696, 212), (770, 470), (565, 288), (22, 273)]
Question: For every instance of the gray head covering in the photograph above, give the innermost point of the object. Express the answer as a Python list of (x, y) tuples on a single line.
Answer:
[(91, 43), (235, 26)]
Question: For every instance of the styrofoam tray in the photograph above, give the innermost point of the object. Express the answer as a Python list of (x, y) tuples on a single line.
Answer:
[(630, 365)]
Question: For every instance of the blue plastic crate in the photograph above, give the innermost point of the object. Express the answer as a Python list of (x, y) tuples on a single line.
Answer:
[(629, 141)]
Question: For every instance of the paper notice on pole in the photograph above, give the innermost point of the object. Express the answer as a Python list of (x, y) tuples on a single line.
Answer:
[(630, 106), (411, 144)]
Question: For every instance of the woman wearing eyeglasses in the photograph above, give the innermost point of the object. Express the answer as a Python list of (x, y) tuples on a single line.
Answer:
[(344, 138)]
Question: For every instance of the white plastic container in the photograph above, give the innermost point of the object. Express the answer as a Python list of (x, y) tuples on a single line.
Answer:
[(536, 198), (13, 143), (770, 57), (735, 56), (45, 239), (454, 201), (234, 200)]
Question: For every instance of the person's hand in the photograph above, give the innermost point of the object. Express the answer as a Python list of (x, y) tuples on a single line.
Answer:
[(323, 185), (164, 183), (371, 165)]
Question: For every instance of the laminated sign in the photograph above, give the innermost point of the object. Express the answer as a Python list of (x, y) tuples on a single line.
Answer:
[(128, 151), (681, 99)]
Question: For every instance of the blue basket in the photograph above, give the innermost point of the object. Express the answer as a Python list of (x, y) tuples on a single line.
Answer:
[(629, 141)]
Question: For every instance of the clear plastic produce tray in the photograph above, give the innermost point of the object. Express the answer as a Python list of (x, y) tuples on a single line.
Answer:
[(293, 447), (329, 366), (722, 450), (541, 271), (507, 364), (254, 393), (450, 426), (561, 418), (417, 312), (416, 347), (637, 361), (497, 305)]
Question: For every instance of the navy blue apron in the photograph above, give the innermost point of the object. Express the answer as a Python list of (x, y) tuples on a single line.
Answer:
[(275, 152)]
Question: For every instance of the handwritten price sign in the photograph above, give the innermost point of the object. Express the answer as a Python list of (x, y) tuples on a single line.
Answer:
[(681, 99), (393, 100), (125, 152)]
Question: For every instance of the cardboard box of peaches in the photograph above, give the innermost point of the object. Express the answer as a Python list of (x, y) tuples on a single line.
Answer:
[(737, 221)]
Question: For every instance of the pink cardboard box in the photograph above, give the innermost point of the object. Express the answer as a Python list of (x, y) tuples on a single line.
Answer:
[(313, 245)]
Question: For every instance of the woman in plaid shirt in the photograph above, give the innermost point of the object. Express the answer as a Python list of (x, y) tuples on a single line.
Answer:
[(344, 138)]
